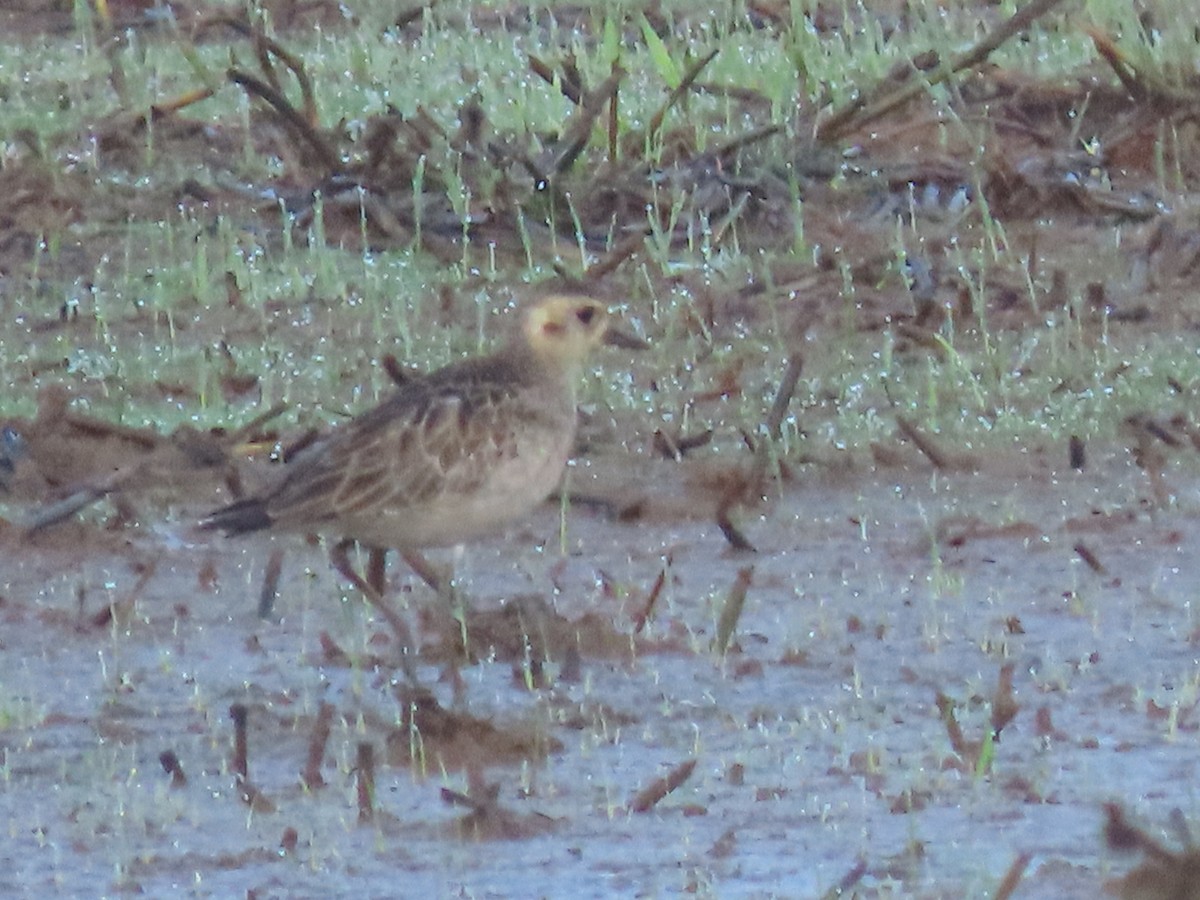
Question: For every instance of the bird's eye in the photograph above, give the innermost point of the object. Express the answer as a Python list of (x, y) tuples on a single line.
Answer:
[(585, 314)]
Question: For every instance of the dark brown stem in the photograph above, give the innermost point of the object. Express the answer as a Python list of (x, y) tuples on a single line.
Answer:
[(270, 586), (311, 776), (241, 765), (171, 765), (366, 782)]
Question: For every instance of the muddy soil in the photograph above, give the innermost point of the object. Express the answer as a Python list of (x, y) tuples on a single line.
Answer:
[(920, 664)]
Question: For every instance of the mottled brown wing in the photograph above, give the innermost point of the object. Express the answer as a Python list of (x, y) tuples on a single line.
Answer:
[(429, 440)]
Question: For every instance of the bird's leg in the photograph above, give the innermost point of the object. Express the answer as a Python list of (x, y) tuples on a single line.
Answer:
[(425, 570), (339, 555), (377, 568), (443, 584)]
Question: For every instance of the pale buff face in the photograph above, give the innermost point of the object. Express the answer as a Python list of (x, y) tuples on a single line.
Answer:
[(562, 331)]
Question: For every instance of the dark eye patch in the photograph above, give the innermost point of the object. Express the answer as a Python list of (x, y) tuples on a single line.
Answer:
[(586, 314)]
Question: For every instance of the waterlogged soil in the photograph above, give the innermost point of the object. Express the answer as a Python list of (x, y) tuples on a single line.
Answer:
[(907, 666), (820, 752)]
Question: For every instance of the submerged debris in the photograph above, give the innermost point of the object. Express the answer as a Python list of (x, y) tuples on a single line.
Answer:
[(1163, 874)]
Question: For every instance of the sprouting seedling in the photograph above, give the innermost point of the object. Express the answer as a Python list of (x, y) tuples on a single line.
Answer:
[(660, 56), (418, 190), (610, 41), (731, 611)]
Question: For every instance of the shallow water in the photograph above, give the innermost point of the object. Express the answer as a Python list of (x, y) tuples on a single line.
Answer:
[(810, 737)]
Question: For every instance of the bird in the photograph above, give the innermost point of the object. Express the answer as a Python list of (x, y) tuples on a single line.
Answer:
[(449, 457)]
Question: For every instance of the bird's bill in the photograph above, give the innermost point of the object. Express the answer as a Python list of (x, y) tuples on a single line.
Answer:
[(626, 340)]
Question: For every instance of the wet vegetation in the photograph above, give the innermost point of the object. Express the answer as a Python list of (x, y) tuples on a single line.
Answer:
[(920, 284)]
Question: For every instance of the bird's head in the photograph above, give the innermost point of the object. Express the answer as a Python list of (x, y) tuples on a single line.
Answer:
[(562, 330)]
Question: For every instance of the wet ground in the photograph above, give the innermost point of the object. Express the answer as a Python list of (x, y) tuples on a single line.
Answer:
[(942, 645), (820, 752)]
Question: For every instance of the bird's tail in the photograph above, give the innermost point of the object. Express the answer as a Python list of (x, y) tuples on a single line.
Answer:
[(238, 518)]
